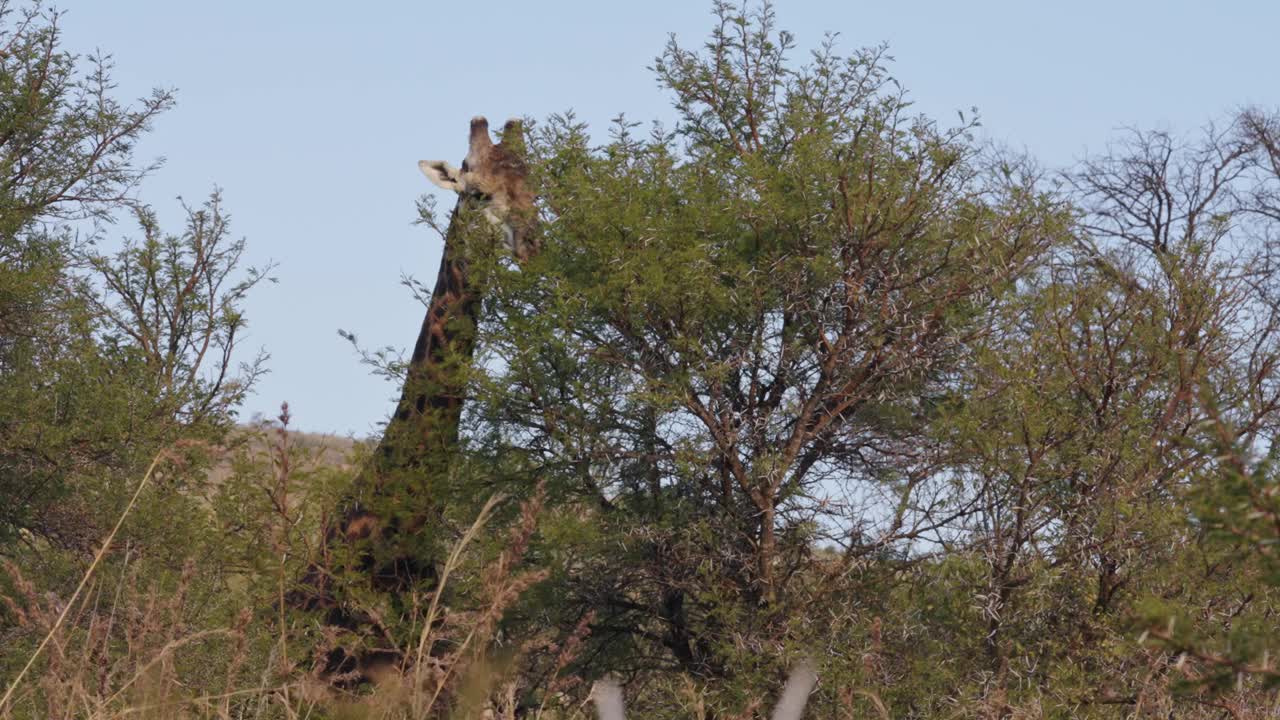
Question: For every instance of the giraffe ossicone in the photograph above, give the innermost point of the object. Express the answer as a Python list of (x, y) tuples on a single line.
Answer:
[(494, 176)]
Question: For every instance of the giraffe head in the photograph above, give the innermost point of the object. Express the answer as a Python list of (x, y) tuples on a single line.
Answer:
[(494, 176)]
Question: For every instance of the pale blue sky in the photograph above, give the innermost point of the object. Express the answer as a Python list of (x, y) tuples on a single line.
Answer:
[(311, 116)]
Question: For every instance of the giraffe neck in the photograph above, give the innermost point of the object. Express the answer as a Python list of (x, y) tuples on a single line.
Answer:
[(425, 423), (419, 439)]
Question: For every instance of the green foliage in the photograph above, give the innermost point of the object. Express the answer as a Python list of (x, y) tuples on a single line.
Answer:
[(808, 351), (807, 376), (107, 359)]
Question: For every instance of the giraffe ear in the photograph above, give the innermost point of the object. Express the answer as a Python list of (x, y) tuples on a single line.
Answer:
[(442, 174)]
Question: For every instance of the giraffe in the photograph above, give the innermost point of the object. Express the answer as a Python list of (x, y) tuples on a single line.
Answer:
[(424, 429)]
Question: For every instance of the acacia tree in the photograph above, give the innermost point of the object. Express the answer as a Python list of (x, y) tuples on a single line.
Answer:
[(104, 357), (807, 336), (1085, 437), (1220, 271), (739, 333)]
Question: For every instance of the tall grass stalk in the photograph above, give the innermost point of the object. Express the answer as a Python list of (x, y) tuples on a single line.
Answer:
[(449, 566)]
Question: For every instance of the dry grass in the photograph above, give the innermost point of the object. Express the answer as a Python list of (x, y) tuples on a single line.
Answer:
[(128, 649), (333, 451), (128, 646)]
